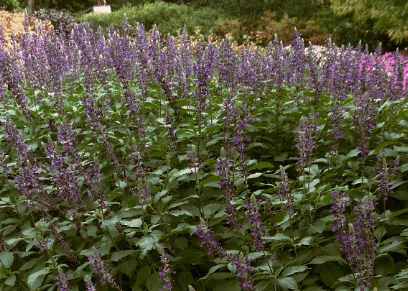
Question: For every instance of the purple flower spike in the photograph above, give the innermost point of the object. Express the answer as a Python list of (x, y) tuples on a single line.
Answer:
[(100, 269), (89, 285), (356, 239), (166, 270), (304, 140), (258, 229), (62, 281), (284, 192)]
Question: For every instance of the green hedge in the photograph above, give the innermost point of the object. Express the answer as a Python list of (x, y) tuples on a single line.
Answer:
[(167, 16)]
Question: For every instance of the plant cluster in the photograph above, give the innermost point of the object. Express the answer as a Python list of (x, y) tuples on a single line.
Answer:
[(134, 163), (61, 21), (168, 17), (263, 30)]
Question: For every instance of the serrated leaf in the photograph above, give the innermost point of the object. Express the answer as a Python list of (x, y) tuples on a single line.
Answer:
[(180, 243), (121, 254), (323, 259), (160, 195), (212, 270), (287, 283), (261, 165), (142, 275), (153, 283), (209, 180), (181, 173), (137, 222), (292, 270), (6, 259), (403, 149), (34, 280), (184, 279), (256, 175), (10, 280), (191, 209), (330, 272)]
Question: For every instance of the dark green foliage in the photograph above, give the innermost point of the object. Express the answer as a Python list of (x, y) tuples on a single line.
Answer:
[(118, 4), (60, 20), (67, 5), (168, 17), (346, 31), (10, 5)]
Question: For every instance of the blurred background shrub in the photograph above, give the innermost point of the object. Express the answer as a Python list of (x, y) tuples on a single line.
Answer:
[(59, 19), (168, 17), (262, 31), (11, 5)]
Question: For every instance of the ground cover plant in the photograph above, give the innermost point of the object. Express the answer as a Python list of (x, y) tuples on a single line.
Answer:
[(141, 164)]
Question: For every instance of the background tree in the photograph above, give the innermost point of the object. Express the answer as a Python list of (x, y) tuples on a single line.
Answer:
[(385, 20)]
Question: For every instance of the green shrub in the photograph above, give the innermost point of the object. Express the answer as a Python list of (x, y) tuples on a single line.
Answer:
[(119, 4), (59, 19), (263, 31), (168, 17), (10, 5)]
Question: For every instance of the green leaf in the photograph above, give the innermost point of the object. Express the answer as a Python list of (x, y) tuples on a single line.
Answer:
[(287, 283), (256, 175), (323, 259), (330, 272), (142, 275), (160, 195), (191, 210), (153, 283), (120, 254), (384, 265), (181, 173), (180, 243), (317, 227), (210, 209), (261, 165), (230, 286), (6, 259), (137, 222), (403, 149), (393, 244), (212, 270), (404, 168), (260, 286), (292, 270), (184, 279), (281, 157), (34, 280), (10, 280), (352, 153), (209, 180)]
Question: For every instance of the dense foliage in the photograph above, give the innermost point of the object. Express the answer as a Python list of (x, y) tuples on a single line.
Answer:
[(134, 164), (61, 21), (168, 17), (10, 5)]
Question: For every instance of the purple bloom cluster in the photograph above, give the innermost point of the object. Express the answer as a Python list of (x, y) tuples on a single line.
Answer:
[(195, 163), (284, 193), (62, 281), (42, 244), (385, 174), (100, 269), (88, 284), (304, 140), (166, 270), (223, 167), (356, 239), (257, 227), (243, 269)]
